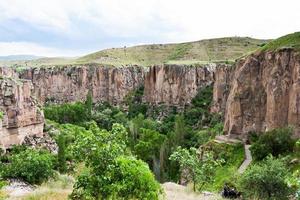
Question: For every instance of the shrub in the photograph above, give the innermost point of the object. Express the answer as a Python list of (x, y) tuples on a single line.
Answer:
[(275, 142), (67, 113), (33, 166), (266, 180), (199, 167)]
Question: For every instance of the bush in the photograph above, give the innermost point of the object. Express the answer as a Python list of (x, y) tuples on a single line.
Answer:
[(74, 113), (266, 180), (275, 142), (33, 166)]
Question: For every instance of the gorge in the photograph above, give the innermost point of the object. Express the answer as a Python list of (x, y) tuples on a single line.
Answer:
[(258, 92)]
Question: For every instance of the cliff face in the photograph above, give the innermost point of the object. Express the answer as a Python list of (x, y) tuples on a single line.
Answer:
[(21, 114), (176, 85), (221, 88), (72, 83), (168, 84), (264, 93)]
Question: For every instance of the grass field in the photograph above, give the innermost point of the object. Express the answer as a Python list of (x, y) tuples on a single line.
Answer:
[(198, 52)]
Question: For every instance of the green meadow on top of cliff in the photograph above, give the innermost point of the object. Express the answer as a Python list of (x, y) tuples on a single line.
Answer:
[(288, 41)]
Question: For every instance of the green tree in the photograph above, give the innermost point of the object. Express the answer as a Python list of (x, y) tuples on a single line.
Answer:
[(266, 180), (276, 142), (112, 174), (89, 104), (61, 156), (33, 166), (134, 127), (196, 166)]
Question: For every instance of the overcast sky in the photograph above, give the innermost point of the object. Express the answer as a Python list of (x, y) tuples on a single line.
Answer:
[(76, 27)]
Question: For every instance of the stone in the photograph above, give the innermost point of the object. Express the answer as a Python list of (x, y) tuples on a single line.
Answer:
[(264, 93), (21, 113)]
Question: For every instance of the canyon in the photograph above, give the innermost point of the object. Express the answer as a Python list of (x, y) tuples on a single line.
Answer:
[(257, 93)]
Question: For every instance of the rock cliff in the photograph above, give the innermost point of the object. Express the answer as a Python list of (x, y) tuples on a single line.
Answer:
[(21, 115), (221, 86), (176, 85), (62, 84), (264, 93)]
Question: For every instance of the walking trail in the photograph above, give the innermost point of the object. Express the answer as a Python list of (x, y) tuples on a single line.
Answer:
[(247, 161)]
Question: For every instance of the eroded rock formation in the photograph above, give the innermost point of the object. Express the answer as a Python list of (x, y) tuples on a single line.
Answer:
[(264, 93), (176, 85), (21, 113), (221, 87), (72, 83)]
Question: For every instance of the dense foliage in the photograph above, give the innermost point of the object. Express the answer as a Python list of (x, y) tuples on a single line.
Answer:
[(67, 113), (109, 164), (276, 142), (199, 167), (266, 180), (33, 166)]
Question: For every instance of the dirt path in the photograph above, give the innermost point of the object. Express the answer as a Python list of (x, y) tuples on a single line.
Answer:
[(247, 161), (178, 192)]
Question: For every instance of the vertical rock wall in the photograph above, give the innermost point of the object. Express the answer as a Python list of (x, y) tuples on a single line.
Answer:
[(21, 114), (72, 83), (176, 85), (264, 93)]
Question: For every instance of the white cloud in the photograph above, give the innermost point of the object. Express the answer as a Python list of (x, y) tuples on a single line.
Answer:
[(166, 20), (27, 48)]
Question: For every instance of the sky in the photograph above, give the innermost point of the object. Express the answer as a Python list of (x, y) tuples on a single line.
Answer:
[(78, 27)]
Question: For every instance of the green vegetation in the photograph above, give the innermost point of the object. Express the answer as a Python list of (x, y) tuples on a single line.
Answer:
[(266, 180), (180, 51), (197, 166), (287, 41), (220, 49), (67, 113), (276, 142), (33, 166), (232, 156), (112, 173)]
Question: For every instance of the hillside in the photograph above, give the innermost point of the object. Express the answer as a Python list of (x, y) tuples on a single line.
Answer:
[(202, 51), (220, 49), (288, 41)]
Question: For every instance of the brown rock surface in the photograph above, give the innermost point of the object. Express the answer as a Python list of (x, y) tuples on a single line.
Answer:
[(61, 84), (21, 114), (264, 93), (222, 79), (176, 85)]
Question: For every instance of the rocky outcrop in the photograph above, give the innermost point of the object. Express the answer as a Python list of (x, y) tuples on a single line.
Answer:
[(21, 115), (264, 93), (221, 86), (176, 85), (61, 84)]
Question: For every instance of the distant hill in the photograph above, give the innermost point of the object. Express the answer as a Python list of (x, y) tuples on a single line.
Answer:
[(19, 57), (203, 51)]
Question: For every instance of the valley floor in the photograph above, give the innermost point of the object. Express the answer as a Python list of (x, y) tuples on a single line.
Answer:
[(178, 192)]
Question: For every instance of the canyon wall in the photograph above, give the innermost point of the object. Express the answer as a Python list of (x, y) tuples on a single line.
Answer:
[(176, 85), (264, 93), (258, 93), (62, 84), (21, 115)]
